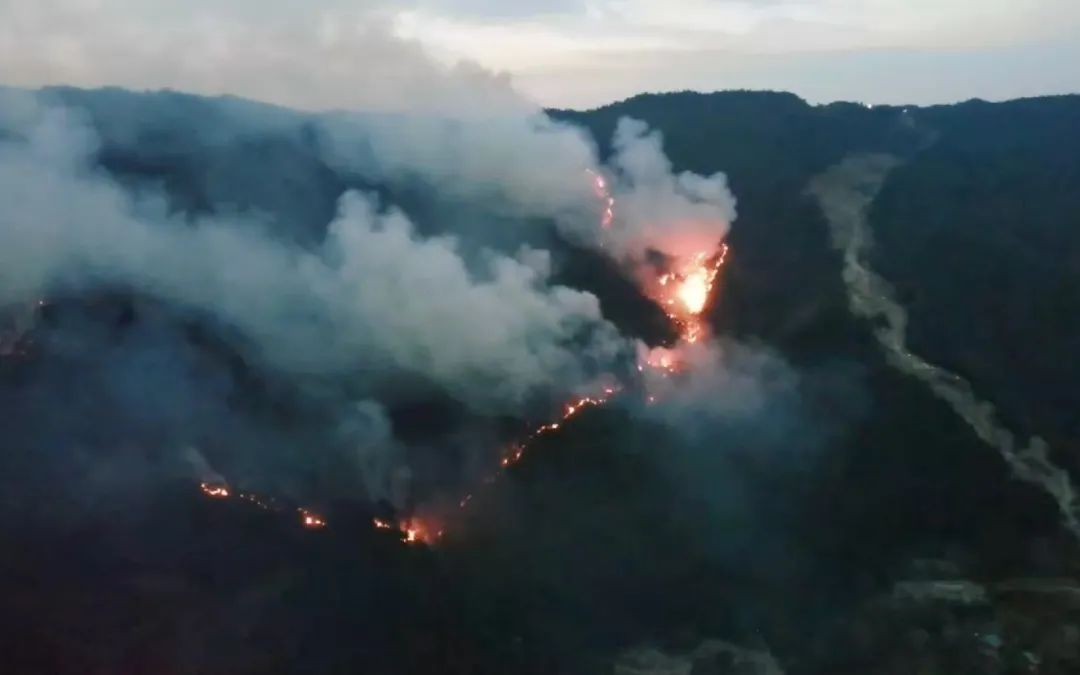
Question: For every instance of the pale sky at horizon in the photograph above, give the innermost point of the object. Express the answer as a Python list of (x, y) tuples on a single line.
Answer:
[(566, 53)]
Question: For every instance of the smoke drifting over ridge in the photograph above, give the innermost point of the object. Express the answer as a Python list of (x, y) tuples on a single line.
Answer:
[(490, 340), (371, 313), (529, 166), (678, 215)]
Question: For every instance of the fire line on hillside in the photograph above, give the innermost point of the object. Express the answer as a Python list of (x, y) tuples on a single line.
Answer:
[(683, 292)]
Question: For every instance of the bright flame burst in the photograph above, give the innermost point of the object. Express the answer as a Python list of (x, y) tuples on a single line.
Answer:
[(694, 291), (684, 292)]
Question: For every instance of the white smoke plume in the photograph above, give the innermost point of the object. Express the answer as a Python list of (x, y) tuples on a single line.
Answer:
[(678, 215), (718, 381), (532, 166), (526, 163), (373, 298), (371, 301), (373, 452)]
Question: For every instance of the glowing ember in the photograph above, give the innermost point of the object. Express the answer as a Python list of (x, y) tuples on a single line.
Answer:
[(572, 409), (412, 531), (601, 189), (416, 531), (256, 500), (517, 450), (215, 491), (310, 520), (664, 360)]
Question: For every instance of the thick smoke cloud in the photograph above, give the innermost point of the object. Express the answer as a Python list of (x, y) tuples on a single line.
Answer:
[(366, 312), (525, 163), (374, 298), (533, 167), (678, 215), (728, 398), (372, 313), (723, 380)]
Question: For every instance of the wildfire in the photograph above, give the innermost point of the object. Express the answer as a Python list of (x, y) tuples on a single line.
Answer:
[(683, 293), (684, 290)]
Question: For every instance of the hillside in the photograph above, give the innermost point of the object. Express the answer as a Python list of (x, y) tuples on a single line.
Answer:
[(825, 530)]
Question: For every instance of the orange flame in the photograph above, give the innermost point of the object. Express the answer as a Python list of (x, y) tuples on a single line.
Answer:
[(416, 531), (517, 451), (572, 409), (684, 293), (310, 520), (215, 491), (412, 531)]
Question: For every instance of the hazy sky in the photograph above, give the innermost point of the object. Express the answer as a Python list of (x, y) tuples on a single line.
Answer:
[(579, 53)]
